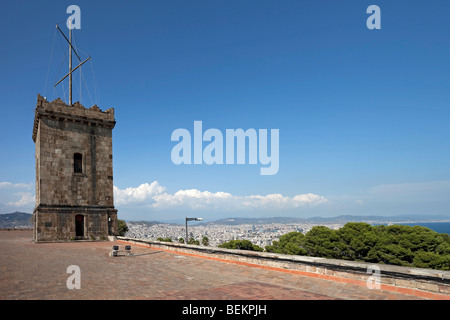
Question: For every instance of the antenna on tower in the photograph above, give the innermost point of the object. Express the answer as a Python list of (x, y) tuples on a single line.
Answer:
[(71, 48)]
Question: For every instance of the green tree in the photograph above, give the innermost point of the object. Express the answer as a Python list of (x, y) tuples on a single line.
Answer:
[(446, 237), (205, 241), (411, 246), (395, 244), (355, 241), (431, 260), (321, 241), (181, 240), (240, 245), (122, 227), (290, 243), (193, 241)]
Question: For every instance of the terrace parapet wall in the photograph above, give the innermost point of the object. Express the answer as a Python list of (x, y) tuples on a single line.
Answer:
[(426, 283)]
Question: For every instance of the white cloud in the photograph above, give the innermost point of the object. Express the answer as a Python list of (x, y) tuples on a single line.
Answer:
[(15, 185), (278, 201), (193, 199), (9, 192), (27, 199), (142, 193), (155, 196)]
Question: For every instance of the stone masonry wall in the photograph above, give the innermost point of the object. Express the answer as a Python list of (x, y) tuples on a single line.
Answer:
[(59, 136), (59, 132)]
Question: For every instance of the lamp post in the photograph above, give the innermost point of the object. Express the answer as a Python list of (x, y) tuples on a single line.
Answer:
[(190, 219)]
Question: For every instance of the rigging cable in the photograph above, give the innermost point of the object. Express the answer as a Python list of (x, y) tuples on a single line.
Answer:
[(49, 62)]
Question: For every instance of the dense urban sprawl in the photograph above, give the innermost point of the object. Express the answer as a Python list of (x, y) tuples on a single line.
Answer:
[(259, 234)]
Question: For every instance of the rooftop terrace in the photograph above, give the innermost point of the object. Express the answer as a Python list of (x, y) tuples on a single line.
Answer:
[(39, 271)]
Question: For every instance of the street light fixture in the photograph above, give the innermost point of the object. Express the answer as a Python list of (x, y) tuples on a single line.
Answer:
[(190, 219)]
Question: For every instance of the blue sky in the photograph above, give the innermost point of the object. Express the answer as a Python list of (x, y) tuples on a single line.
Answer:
[(363, 115)]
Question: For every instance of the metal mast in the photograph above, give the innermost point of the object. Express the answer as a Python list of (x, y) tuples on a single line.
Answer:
[(70, 62), (70, 66)]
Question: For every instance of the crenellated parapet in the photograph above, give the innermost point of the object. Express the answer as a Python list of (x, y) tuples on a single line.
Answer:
[(59, 110)]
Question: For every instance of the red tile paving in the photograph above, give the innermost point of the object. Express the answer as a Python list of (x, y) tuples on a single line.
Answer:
[(38, 271)]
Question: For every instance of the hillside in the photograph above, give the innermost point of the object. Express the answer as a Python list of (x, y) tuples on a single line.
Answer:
[(16, 220)]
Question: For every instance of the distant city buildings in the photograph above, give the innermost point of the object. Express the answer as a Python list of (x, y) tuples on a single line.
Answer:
[(261, 234)]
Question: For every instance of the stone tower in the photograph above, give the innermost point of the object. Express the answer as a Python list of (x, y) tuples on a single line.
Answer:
[(74, 172)]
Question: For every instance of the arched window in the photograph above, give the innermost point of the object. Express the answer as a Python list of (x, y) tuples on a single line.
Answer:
[(77, 163)]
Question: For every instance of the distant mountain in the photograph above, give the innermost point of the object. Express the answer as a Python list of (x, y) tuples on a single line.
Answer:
[(326, 220), (238, 221), (16, 220)]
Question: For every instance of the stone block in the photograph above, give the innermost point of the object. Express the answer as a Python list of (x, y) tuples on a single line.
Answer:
[(405, 283), (427, 286), (444, 288)]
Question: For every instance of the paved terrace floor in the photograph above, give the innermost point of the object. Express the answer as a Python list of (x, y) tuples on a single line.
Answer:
[(39, 271)]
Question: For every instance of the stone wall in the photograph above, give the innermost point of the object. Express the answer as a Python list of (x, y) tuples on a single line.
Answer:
[(62, 133), (426, 283), (58, 223)]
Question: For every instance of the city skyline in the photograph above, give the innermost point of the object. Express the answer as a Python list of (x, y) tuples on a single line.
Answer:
[(261, 234), (362, 114)]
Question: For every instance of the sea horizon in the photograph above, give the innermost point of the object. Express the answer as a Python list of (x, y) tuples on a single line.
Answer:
[(439, 227)]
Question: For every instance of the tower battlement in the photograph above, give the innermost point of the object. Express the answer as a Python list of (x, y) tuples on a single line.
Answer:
[(58, 109)]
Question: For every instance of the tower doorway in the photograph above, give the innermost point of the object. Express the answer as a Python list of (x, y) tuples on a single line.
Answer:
[(79, 225)]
